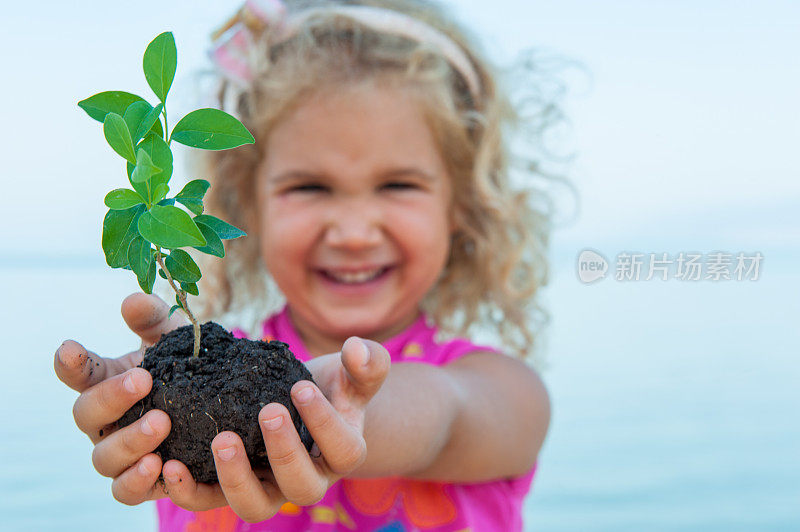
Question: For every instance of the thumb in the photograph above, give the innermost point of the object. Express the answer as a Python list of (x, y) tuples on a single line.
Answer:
[(148, 316), (367, 365)]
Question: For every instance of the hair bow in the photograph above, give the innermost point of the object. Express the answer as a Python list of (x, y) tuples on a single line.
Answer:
[(234, 39)]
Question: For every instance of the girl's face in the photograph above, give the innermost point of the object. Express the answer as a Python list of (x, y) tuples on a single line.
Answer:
[(354, 214)]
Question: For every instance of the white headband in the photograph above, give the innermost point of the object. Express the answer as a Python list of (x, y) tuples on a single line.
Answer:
[(232, 41)]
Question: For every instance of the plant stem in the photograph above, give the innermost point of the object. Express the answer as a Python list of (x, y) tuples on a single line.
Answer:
[(182, 298), (167, 136)]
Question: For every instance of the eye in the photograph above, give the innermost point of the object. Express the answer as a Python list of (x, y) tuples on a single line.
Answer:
[(307, 188), (399, 185)]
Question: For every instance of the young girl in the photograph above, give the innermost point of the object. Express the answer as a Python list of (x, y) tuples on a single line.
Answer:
[(377, 197)]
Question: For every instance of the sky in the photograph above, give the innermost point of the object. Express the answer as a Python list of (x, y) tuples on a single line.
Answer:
[(682, 117)]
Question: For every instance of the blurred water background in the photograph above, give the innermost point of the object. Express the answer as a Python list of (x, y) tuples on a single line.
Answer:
[(674, 403)]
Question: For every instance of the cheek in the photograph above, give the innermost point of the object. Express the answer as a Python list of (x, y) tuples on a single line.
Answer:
[(424, 234), (287, 235)]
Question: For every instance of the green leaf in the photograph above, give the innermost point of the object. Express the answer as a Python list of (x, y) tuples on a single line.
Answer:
[(194, 189), (167, 201), (145, 169), (160, 192), (162, 274), (119, 228), (170, 227), (159, 63), (193, 204), (151, 123), (118, 137), (139, 257), (133, 117), (161, 155), (141, 117), (140, 188), (214, 245), (149, 280), (211, 129), (122, 198), (192, 194), (102, 103), (190, 288), (223, 229), (172, 309), (182, 267)]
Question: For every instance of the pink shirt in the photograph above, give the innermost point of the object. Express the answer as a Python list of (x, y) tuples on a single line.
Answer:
[(382, 504)]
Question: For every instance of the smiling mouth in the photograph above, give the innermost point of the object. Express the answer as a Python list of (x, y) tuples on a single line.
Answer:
[(354, 278)]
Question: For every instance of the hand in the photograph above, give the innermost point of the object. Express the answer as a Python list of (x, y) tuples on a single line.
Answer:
[(109, 387), (334, 413)]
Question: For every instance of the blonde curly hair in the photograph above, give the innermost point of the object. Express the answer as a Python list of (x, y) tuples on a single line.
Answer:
[(498, 255)]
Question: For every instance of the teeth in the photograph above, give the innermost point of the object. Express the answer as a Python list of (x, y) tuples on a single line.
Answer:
[(354, 277)]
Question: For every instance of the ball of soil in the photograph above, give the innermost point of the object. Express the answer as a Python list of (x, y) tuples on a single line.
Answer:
[(223, 388)]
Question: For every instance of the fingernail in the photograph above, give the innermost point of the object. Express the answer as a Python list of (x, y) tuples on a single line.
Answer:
[(143, 470), (273, 423), (147, 428), (365, 356), (172, 478), (304, 395), (128, 383), (226, 453)]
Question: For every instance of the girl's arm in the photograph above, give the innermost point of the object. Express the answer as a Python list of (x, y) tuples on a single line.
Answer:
[(480, 418)]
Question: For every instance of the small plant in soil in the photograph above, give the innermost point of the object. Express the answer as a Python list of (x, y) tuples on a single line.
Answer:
[(204, 378)]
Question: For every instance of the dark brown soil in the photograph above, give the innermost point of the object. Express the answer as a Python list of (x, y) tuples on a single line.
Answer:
[(222, 389)]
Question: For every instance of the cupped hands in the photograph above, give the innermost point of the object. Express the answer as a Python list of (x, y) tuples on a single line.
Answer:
[(333, 410)]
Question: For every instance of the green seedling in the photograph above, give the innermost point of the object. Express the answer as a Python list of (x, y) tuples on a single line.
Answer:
[(145, 231)]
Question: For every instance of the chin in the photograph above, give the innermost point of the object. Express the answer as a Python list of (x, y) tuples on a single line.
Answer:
[(362, 322), (364, 325)]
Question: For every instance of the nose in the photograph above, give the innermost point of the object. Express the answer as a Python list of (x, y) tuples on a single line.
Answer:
[(354, 225)]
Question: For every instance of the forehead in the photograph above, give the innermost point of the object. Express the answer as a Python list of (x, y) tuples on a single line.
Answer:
[(354, 128)]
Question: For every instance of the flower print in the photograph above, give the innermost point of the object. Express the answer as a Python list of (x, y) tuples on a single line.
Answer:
[(425, 503), (217, 520), (289, 508), (412, 350)]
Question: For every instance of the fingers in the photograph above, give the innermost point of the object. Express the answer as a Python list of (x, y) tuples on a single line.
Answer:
[(242, 489), (298, 477), (187, 493), (367, 364), (115, 454), (341, 444), (148, 316), (81, 369), (138, 483), (104, 403)]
